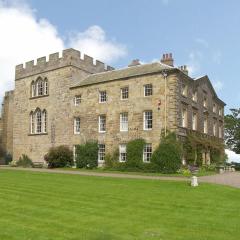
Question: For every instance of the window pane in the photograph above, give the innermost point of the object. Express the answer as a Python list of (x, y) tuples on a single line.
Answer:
[(122, 153), (77, 125), (101, 152), (124, 122), (148, 120), (148, 90), (102, 123), (77, 100), (124, 93), (102, 96), (147, 152)]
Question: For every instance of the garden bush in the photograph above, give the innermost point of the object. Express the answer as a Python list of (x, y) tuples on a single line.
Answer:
[(60, 156), (24, 161), (135, 154), (87, 155), (167, 157)]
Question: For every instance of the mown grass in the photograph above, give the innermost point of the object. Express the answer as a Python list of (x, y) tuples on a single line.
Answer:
[(106, 170), (43, 206)]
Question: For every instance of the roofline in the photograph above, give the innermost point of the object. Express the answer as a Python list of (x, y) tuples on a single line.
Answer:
[(116, 79)]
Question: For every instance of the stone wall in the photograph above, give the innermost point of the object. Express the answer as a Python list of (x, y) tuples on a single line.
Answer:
[(204, 89), (61, 74), (90, 109), (7, 122)]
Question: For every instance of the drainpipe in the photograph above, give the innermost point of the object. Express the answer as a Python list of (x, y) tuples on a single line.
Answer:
[(164, 73)]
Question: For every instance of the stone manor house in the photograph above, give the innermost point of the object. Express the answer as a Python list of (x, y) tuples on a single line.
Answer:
[(70, 99)]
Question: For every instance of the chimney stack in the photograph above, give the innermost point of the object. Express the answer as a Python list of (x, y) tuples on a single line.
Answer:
[(134, 62), (167, 59), (183, 69)]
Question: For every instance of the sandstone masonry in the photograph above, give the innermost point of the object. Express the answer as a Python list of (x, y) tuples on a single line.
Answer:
[(57, 102)]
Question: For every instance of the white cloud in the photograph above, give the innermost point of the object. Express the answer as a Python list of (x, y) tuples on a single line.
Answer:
[(217, 57), (25, 37), (165, 2), (232, 156), (94, 42), (193, 63), (218, 85), (202, 42)]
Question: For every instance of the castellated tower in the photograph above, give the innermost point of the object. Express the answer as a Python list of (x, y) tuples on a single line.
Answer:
[(42, 91)]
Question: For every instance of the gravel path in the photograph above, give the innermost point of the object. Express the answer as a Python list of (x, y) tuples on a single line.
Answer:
[(229, 178)]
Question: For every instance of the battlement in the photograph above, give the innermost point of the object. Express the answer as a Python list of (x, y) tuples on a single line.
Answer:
[(9, 93), (70, 57)]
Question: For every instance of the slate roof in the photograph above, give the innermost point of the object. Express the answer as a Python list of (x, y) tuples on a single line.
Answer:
[(123, 73)]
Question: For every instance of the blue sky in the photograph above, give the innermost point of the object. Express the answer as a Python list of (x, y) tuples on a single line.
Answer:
[(203, 34)]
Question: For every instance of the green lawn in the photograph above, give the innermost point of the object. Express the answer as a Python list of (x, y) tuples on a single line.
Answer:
[(103, 170), (41, 206)]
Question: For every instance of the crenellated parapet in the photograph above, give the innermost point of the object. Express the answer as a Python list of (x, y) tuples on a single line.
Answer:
[(70, 57)]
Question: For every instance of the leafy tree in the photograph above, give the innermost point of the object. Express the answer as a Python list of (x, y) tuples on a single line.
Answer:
[(232, 130), (60, 156), (167, 157)]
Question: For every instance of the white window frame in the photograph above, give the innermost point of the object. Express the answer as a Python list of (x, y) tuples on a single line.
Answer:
[(147, 120), (184, 89), (122, 153), (77, 100), (44, 121), (214, 108), (45, 87), (77, 125), (102, 96), (184, 117), (214, 128), (220, 111), (148, 90), (102, 119), (124, 93), (205, 102), (194, 96), (32, 123), (220, 133), (194, 121), (124, 122), (147, 152), (38, 125), (205, 125), (101, 152)]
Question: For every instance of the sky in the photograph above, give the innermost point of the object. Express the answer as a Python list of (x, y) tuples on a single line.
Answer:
[(204, 35)]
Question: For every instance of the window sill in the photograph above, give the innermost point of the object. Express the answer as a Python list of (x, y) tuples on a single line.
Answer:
[(39, 96), (77, 133), (102, 131), (150, 129), (37, 134)]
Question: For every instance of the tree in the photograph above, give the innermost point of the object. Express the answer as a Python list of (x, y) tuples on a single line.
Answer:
[(232, 130), (167, 157)]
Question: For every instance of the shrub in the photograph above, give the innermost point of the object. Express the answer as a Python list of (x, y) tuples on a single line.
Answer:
[(167, 157), (134, 154), (60, 156), (112, 160), (8, 158), (87, 155), (24, 161)]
